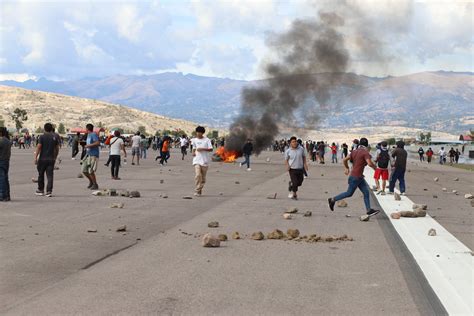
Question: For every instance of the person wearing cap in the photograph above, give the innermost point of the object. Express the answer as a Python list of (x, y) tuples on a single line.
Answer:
[(398, 168), (360, 158)]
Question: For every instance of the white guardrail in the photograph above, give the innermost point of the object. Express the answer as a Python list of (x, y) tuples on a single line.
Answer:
[(447, 263)]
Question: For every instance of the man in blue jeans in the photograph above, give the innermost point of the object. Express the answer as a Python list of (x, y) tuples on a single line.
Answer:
[(399, 167), (360, 158), (5, 154)]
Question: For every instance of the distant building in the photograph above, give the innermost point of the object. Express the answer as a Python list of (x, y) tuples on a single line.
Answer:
[(466, 138)]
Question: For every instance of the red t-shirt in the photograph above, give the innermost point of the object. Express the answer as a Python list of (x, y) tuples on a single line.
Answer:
[(359, 161), (334, 149)]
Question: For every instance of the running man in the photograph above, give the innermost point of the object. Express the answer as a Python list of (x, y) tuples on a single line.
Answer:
[(360, 158), (296, 165), (183, 141), (202, 147)]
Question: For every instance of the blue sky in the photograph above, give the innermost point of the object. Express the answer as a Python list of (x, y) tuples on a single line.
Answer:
[(74, 39)]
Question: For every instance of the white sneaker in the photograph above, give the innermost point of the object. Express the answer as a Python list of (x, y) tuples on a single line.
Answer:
[(290, 196), (403, 193), (306, 177), (197, 194), (249, 169), (240, 165)]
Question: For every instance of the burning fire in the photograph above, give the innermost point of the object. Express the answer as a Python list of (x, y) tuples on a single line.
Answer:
[(227, 155)]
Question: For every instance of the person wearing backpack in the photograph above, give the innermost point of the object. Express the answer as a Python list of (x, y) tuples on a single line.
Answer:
[(421, 152), (382, 160)]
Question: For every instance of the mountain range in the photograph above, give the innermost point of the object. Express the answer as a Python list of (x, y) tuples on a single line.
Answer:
[(438, 101)]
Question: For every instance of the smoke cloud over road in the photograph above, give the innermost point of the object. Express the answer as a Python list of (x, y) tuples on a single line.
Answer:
[(312, 58)]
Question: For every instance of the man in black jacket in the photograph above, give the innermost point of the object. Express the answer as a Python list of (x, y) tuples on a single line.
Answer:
[(247, 151)]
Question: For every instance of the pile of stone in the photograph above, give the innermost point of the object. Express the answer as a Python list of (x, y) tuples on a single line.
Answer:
[(113, 192), (209, 240), (419, 210)]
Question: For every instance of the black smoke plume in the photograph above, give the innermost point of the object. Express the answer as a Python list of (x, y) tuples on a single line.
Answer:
[(309, 48)]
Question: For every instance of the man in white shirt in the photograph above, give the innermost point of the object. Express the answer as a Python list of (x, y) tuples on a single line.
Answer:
[(116, 145), (184, 146), (136, 139), (202, 148), (442, 156)]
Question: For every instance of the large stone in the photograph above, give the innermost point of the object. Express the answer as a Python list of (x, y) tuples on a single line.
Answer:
[(293, 233), (468, 196), (432, 232), (395, 215), (397, 196), (364, 218), (236, 235), (292, 210), (407, 214), (422, 206), (341, 203), (257, 236), (222, 237), (213, 224), (134, 194), (209, 240), (276, 234), (419, 212)]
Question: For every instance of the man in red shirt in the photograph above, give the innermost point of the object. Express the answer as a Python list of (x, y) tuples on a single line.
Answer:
[(334, 153), (360, 158)]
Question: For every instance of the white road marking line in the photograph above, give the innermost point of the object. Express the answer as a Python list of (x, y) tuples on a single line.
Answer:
[(447, 263)]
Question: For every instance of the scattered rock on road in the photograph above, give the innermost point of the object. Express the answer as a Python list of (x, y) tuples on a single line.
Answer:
[(422, 206), (272, 196), (98, 193), (444, 189), (187, 197), (122, 228), (456, 179), (162, 181), (134, 194), (222, 237), (435, 196), (432, 232), (92, 230), (276, 234), (419, 212), (237, 182), (209, 240), (236, 235), (287, 216), (213, 224), (468, 196), (292, 210), (364, 218), (455, 192), (125, 193), (407, 214), (258, 236), (308, 214), (117, 205), (436, 179), (293, 233), (341, 203)]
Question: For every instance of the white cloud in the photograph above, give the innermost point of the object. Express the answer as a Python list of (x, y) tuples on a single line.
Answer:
[(35, 42), (129, 24), (17, 77)]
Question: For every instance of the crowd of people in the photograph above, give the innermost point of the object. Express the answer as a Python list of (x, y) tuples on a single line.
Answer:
[(389, 164)]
